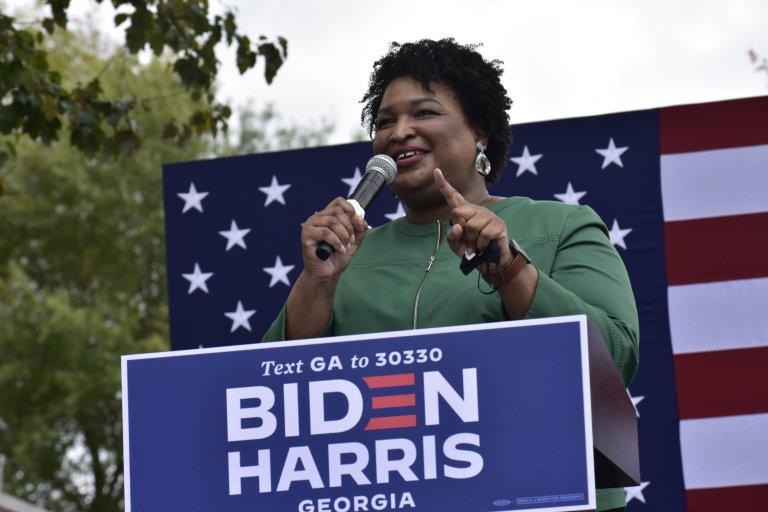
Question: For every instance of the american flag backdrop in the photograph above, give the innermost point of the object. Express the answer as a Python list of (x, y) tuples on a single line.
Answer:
[(684, 193)]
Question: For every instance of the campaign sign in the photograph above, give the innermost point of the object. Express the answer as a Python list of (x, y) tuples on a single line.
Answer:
[(488, 417)]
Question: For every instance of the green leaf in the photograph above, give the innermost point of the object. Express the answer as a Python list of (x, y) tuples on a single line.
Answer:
[(49, 107), (59, 11), (157, 43), (121, 17), (199, 120), (273, 60), (169, 130), (246, 58), (128, 141), (44, 101), (190, 73), (284, 45), (141, 29), (230, 27), (114, 117), (48, 25)]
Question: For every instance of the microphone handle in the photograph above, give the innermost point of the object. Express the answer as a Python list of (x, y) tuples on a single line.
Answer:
[(323, 251), (366, 191)]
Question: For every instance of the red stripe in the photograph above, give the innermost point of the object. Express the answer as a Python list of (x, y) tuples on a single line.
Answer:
[(747, 497), (390, 381), (384, 422), (717, 248), (386, 401), (722, 382), (723, 124)]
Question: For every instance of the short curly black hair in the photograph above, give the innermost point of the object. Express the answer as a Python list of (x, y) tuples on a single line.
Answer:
[(475, 81)]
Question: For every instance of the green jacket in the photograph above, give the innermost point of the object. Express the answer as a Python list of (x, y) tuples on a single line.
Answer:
[(405, 276)]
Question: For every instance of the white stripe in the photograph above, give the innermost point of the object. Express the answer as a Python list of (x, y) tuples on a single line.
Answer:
[(714, 183), (718, 316), (725, 452)]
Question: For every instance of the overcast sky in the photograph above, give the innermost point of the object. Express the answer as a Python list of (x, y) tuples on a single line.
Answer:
[(562, 58)]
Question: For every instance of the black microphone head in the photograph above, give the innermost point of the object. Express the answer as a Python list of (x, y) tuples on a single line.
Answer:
[(382, 164)]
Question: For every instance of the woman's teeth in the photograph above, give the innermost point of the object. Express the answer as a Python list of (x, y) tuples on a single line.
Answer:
[(408, 154)]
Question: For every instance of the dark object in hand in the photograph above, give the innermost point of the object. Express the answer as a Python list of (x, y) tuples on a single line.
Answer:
[(491, 254)]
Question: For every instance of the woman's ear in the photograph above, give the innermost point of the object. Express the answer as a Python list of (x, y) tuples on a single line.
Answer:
[(481, 137)]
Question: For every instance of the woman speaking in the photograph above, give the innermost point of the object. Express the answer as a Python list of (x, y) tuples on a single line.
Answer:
[(440, 111)]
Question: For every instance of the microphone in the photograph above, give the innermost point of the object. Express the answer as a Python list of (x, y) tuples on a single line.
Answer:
[(379, 171)]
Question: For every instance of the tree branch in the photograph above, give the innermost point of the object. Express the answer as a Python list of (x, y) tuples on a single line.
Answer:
[(97, 469)]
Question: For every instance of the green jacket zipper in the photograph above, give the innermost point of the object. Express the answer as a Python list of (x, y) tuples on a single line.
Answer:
[(427, 271)]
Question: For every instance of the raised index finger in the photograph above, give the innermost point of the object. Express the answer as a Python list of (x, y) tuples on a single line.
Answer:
[(452, 196)]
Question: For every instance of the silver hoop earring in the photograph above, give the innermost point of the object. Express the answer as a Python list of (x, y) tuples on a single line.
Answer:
[(482, 164)]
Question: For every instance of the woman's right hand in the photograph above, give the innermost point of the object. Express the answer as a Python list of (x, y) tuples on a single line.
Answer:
[(338, 225)]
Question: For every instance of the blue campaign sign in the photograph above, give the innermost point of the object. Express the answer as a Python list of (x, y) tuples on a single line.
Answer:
[(477, 418)]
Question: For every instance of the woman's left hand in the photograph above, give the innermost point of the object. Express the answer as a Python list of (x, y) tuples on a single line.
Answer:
[(474, 226)]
